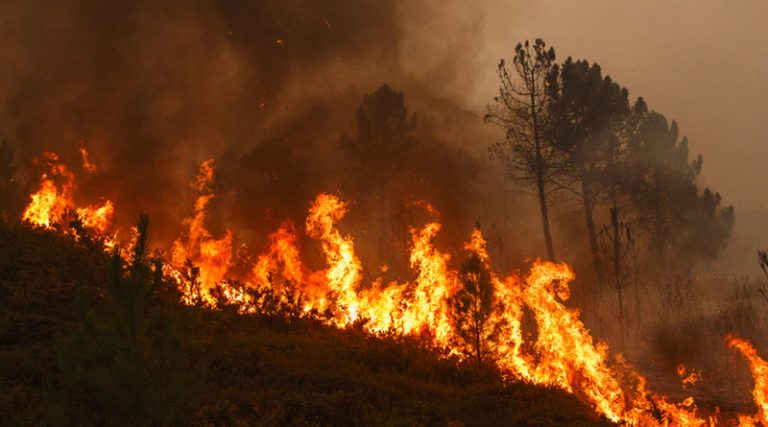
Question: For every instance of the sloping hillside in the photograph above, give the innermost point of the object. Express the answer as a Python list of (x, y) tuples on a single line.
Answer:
[(63, 362)]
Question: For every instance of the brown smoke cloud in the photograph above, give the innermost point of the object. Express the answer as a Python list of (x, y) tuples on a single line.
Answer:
[(266, 88)]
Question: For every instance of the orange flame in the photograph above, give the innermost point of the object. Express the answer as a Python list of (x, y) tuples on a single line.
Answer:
[(211, 256), (49, 205), (428, 308), (84, 155), (281, 259), (344, 269), (562, 352), (759, 368), (690, 378), (54, 200), (97, 218)]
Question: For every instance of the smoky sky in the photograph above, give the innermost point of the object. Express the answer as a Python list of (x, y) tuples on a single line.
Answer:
[(701, 63), (152, 88), (268, 87)]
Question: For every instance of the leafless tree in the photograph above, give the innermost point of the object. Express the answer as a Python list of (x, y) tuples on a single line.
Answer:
[(527, 153)]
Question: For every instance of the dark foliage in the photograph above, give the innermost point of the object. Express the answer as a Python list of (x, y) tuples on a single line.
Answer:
[(10, 191), (588, 113), (40, 275), (125, 364), (571, 128), (383, 139), (474, 310), (680, 221), (254, 370)]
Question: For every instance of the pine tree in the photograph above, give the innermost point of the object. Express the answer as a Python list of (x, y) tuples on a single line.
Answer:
[(588, 114), (521, 108), (125, 364), (473, 310), (384, 137)]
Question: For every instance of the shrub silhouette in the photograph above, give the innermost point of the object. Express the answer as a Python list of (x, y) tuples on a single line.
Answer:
[(125, 364)]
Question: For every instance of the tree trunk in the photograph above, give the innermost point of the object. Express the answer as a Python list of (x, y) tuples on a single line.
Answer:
[(540, 184), (617, 270), (477, 327), (382, 217), (479, 352), (591, 232), (478, 348), (545, 219), (621, 318)]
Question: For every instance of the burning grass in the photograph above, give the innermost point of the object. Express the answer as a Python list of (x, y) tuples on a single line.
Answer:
[(562, 353), (253, 369)]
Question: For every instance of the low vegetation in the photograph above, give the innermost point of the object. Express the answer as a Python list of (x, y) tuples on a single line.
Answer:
[(86, 340)]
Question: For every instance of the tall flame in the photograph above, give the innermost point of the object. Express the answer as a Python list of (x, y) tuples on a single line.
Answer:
[(428, 308), (211, 256), (560, 352), (281, 258), (344, 269), (759, 368)]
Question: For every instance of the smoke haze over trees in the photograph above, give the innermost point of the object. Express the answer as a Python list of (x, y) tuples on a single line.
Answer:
[(291, 100), (268, 91)]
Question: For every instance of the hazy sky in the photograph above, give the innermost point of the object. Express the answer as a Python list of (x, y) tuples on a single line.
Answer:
[(703, 63), (157, 83)]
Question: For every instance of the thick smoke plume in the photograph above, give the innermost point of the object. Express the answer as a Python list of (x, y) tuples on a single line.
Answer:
[(266, 88)]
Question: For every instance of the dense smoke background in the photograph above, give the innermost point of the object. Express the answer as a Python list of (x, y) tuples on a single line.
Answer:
[(267, 88)]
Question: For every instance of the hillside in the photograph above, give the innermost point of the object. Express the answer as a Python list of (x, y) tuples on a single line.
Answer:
[(60, 363)]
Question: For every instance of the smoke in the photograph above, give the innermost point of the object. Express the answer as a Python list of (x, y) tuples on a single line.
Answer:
[(153, 88), (265, 88)]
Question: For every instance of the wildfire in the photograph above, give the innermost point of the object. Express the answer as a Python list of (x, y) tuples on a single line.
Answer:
[(54, 201), (281, 259), (687, 379), (210, 257), (562, 353), (97, 218), (344, 269), (759, 368), (85, 156), (49, 205)]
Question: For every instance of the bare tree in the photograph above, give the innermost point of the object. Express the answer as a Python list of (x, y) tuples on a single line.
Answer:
[(617, 244), (527, 153)]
